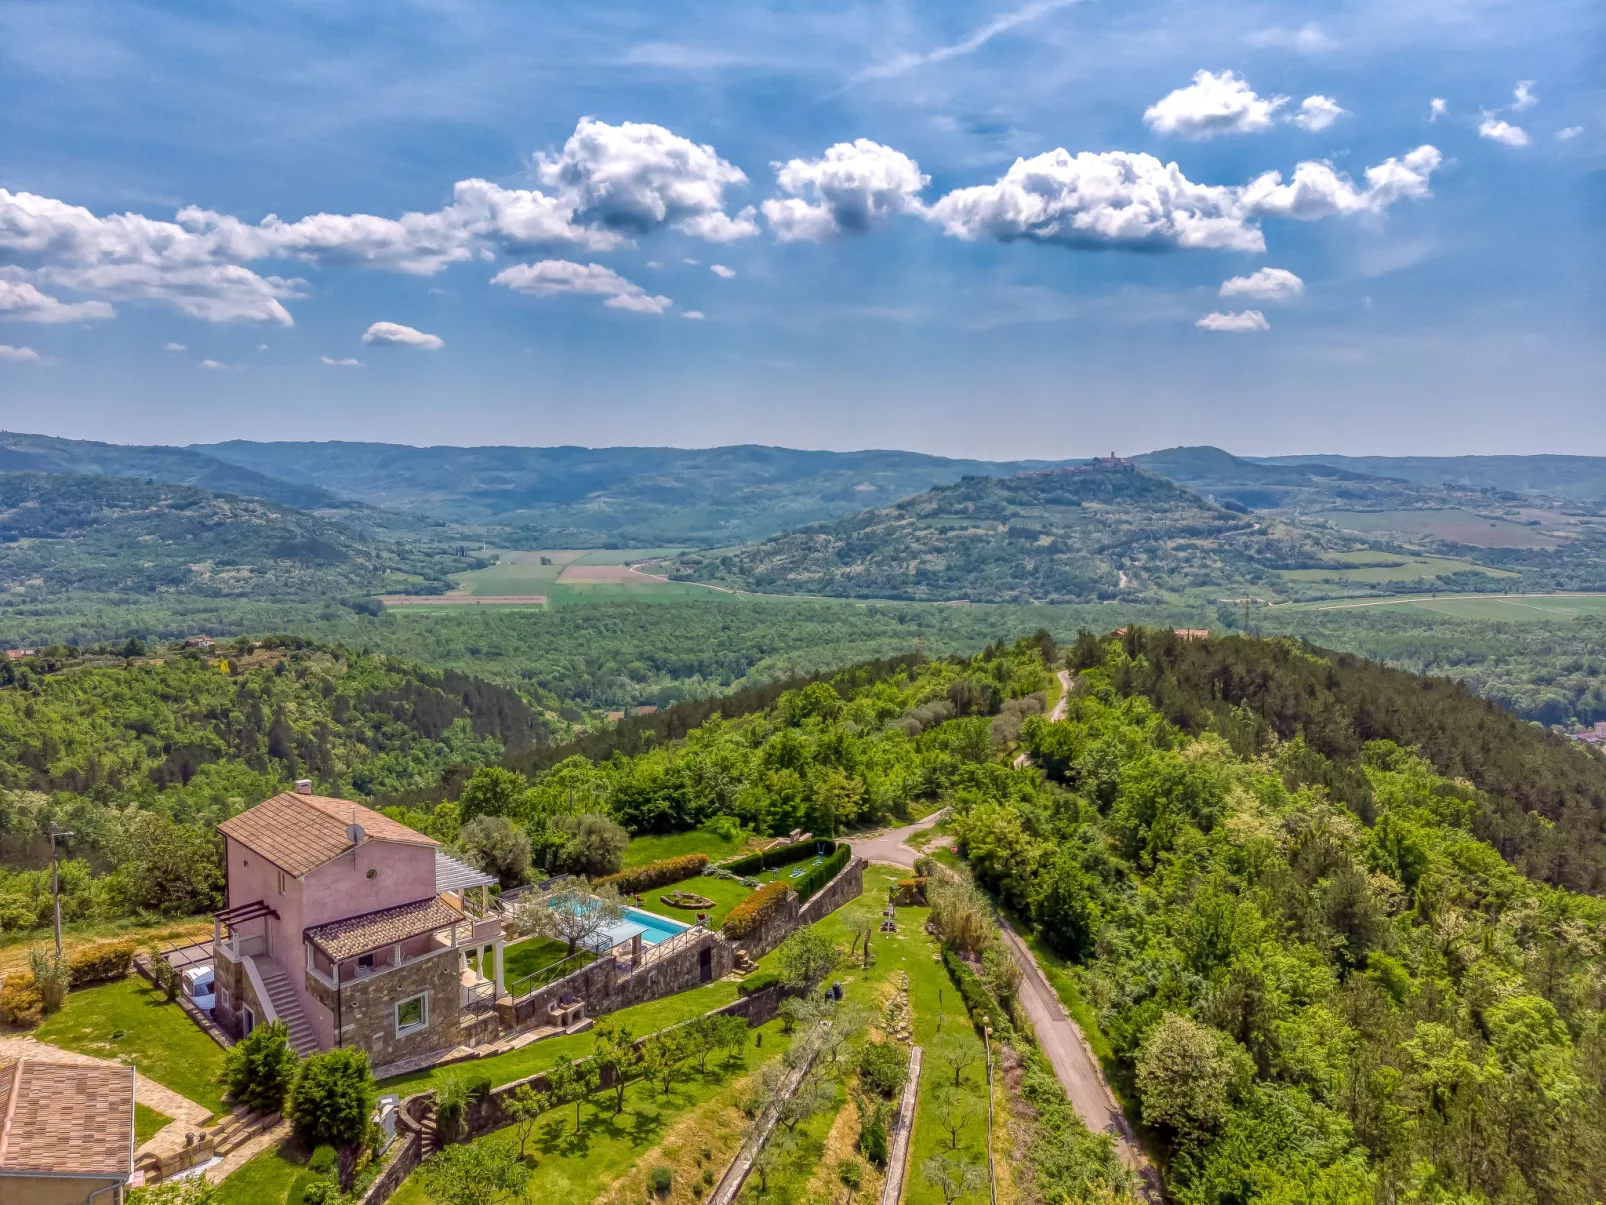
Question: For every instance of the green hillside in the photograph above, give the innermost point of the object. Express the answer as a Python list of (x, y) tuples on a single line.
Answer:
[(1076, 535), (81, 535)]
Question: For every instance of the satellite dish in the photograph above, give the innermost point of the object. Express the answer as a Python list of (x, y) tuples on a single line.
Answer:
[(354, 832)]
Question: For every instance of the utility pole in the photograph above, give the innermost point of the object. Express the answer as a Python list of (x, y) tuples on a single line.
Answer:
[(55, 885)]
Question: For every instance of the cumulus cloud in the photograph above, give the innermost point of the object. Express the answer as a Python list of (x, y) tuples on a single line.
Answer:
[(722, 271), (23, 302), (1118, 198), (1437, 108), (1316, 113), (1569, 133), (552, 277), (1523, 96), (1268, 284), (1503, 132), (606, 184), (635, 177), (1211, 105), (19, 355), (174, 347), (404, 336), (698, 315), (1246, 322), (348, 362), (1318, 191), (845, 190)]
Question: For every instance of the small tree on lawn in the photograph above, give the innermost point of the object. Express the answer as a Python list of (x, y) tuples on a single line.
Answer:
[(957, 1051), (662, 1056), (524, 1108), (861, 922), (333, 1101), (805, 959), (482, 1174), (261, 1068), (769, 1157), (730, 1035), (615, 1056), (573, 915), (954, 1110), (952, 1176), (572, 1083)]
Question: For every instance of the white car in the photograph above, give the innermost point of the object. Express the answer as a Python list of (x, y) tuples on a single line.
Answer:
[(201, 987)]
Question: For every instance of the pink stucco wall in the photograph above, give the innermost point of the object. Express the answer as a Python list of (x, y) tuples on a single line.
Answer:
[(335, 890)]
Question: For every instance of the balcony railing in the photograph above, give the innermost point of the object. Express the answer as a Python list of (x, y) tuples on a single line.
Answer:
[(551, 973), (478, 998)]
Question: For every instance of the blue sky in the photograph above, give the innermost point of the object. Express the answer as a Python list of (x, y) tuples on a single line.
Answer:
[(987, 230)]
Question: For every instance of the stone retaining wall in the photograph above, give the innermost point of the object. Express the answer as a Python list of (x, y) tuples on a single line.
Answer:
[(847, 885), (610, 983)]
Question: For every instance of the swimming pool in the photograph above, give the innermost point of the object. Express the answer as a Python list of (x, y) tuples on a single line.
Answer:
[(654, 929)]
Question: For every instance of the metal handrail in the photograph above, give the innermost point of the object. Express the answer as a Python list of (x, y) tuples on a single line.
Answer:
[(664, 948), (550, 973)]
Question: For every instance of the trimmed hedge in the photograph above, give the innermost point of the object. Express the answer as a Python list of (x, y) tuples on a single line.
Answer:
[(655, 874), (979, 1002), (781, 855), (757, 908), (100, 963), (912, 892), (819, 876), (757, 982), (20, 1001)]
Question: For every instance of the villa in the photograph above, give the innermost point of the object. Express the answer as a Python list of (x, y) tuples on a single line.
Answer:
[(352, 929)]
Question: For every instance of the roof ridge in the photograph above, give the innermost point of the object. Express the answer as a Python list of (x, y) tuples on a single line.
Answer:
[(11, 1107)]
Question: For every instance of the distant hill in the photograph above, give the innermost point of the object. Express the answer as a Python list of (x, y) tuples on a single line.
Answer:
[(1068, 535), (1573, 478), (176, 466), (95, 533), (628, 497), (1286, 484)]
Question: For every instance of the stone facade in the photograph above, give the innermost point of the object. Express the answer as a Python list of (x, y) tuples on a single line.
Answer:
[(847, 885), (760, 941), (366, 1008), (610, 983), (235, 993)]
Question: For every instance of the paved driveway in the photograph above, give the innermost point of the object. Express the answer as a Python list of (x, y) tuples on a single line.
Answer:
[(887, 846)]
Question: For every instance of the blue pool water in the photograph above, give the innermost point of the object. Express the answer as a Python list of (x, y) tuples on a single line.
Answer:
[(653, 929)]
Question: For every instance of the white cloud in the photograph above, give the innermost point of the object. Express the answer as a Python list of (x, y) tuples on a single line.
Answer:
[(902, 64), (1242, 323), (843, 191), (262, 347), (1318, 191), (1437, 108), (1316, 113), (1307, 39), (655, 263), (346, 363), (1268, 284), (21, 301), (689, 260), (174, 347), (19, 355), (552, 277), (1503, 132), (721, 271), (404, 336), (1569, 133), (1213, 104), (218, 365), (698, 315), (636, 177), (1524, 97)]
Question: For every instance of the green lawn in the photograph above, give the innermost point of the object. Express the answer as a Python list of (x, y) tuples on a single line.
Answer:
[(676, 845), (725, 894), (534, 954), (276, 1177), (576, 1168), (146, 1122), (132, 1021), (538, 1056)]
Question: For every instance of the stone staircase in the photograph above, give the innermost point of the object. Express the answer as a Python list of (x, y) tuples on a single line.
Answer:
[(282, 994), (741, 962), (239, 1128), (429, 1136)]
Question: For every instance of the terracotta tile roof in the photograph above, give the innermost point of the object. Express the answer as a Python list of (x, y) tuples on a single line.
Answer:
[(372, 930), (67, 1117), (299, 833)]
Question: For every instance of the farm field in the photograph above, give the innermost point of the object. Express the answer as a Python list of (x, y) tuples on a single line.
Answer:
[(570, 575), (1458, 526), (1507, 608), (642, 850), (1367, 567)]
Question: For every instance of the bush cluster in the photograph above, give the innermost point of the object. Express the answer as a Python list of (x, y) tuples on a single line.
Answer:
[(656, 874), (758, 981), (979, 1002), (819, 876), (755, 910), (781, 855), (912, 892), (20, 1001), (100, 963)]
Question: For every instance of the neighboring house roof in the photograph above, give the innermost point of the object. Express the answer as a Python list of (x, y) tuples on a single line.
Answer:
[(299, 833), (452, 875), (356, 935), (67, 1119)]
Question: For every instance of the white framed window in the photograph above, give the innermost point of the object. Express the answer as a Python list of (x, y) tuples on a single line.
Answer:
[(412, 1014)]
